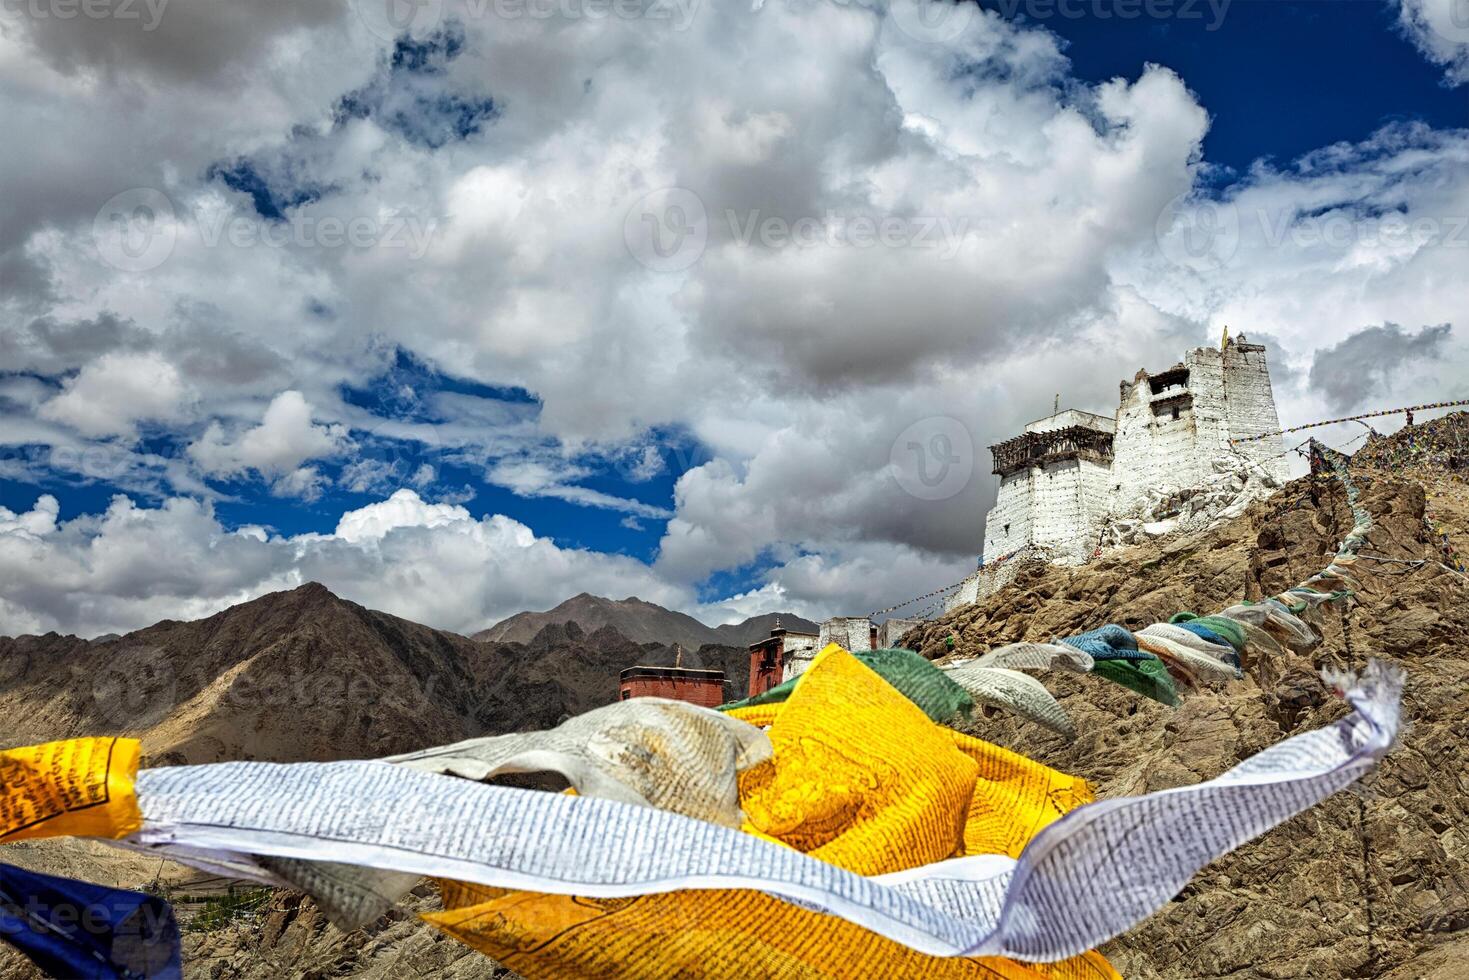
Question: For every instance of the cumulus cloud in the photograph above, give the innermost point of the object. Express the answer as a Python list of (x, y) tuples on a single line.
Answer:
[(1363, 364), (38, 521), (403, 509), (803, 253), (116, 391), (285, 438)]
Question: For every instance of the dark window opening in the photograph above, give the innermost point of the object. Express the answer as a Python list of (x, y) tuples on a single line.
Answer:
[(1167, 379), (1173, 407)]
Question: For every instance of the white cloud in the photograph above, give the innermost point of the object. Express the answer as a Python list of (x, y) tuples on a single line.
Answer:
[(432, 563), (1032, 254), (647, 464), (285, 438), (403, 509), (39, 521), (549, 478), (1440, 29), (109, 395), (306, 482)]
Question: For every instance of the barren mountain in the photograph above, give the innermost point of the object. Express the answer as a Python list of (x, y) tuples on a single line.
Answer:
[(641, 622), (305, 675)]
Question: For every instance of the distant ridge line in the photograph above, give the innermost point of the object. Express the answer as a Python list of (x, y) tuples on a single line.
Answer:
[(641, 622)]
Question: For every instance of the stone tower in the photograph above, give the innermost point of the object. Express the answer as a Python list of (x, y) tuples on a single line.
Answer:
[(1172, 425)]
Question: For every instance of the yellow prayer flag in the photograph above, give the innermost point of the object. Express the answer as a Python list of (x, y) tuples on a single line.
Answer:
[(860, 778), (82, 787), (704, 935)]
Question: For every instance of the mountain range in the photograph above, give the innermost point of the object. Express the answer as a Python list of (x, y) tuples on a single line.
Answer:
[(641, 622), (306, 675)]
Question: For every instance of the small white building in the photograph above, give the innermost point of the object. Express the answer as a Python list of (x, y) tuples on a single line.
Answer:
[(848, 632), (798, 651)]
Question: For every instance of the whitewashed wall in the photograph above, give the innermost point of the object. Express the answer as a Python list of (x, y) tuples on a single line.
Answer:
[(890, 632), (1069, 501), (1211, 404), (1007, 526), (987, 581), (847, 632), (798, 652), (967, 594), (1252, 409)]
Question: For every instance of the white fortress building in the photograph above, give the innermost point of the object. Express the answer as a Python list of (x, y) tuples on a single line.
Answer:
[(1069, 476)]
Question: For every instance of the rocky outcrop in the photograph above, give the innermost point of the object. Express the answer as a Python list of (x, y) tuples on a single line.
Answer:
[(1365, 885), (1234, 484)]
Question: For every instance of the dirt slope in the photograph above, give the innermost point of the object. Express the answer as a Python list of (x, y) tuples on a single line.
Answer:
[(1357, 887)]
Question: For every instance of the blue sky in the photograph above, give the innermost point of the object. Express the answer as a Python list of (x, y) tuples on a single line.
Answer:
[(1274, 74), (479, 315)]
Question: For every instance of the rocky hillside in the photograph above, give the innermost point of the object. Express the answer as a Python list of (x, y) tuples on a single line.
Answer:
[(1439, 445), (1367, 885), (641, 622)]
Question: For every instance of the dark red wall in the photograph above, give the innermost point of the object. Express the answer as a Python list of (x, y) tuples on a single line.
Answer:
[(708, 692), (766, 666)]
